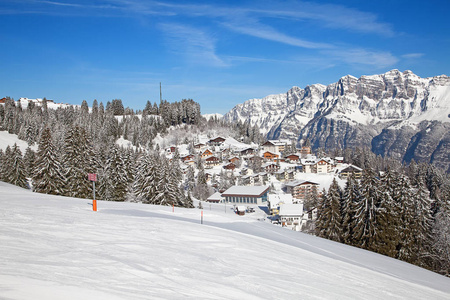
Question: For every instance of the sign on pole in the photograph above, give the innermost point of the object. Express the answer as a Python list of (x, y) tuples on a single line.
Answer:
[(93, 177)]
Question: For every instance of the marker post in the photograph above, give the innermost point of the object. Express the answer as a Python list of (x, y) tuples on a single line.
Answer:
[(93, 177)]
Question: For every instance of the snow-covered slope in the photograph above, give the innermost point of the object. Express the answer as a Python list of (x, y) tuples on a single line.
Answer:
[(7, 139), (58, 248)]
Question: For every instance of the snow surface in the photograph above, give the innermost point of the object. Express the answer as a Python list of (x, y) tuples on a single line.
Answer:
[(57, 248), (209, 116), (7, 139)]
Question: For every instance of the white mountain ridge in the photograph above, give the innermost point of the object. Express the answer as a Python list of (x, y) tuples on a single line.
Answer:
[(391, 99)]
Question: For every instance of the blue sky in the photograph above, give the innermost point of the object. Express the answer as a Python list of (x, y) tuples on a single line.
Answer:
[(219, 53)]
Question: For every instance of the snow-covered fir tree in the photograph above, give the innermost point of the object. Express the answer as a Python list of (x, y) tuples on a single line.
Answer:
[(146, 180), (77, 164), (17, 171), (113, 183), (350, 198), (366, 212), (48, 176), (330, 213)]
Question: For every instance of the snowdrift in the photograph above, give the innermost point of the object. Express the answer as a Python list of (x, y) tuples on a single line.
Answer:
[(58, 248)]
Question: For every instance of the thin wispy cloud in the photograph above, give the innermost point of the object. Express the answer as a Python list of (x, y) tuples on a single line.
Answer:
[(413, 55), (197, 45), (332, 16), (378, 59), (258, 30)]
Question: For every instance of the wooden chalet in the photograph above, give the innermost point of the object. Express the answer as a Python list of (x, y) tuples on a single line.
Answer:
[(293, 158), (351, 170), (188, 157), (212, 161), (218, 141), (229, 166), (206, 153), (234, 159), (271, 168), (247, 151), (270, 156), (199, 146)]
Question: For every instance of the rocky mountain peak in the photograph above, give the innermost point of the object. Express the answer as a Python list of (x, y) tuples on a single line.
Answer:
[(355, 111)]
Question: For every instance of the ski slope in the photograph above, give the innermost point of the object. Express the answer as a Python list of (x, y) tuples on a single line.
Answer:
[(57, 248)]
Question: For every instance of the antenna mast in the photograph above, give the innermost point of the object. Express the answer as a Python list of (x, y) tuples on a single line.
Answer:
[(160, 93)]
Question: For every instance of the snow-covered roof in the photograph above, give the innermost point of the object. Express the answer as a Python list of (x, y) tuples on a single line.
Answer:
[(254, 191), (276, 199), (278, 142), (216, 196), (268, 164), (291, 209), (298, 182), (351, 168)]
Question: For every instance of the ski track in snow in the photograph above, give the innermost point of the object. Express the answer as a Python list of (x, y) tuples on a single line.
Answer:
[(57, 248)]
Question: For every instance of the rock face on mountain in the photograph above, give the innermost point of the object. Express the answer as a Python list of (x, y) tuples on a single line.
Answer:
[(396, 114)]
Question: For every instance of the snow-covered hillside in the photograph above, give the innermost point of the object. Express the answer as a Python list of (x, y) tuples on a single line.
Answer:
[(58, 248), (7, 139)]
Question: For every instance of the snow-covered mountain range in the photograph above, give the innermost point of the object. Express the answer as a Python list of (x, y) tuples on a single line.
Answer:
[(396, 113)]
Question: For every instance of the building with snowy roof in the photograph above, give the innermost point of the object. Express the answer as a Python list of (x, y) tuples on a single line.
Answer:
[(274, 146), (355, 171), (246, 194), (276, 200), (300, 189), (215, 198), (291, 216)]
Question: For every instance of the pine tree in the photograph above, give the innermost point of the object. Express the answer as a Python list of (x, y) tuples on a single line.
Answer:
[(168, 186), (403, 195), (78, 157), (17, 171), (190, 179), (145, 185), (188, 203), (2, 163), (366, 214), (421, 225), (201, 188), (331, 213), (351, 197), (388, 227), (48, 177), (113, 182), (6, 165), (441, 239), (320, 223)]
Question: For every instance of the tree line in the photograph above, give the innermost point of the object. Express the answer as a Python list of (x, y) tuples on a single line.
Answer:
[(404, 214)]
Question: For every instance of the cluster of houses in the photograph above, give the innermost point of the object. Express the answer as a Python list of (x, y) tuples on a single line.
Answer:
[(227, 156), (37, 101), (239, 159)]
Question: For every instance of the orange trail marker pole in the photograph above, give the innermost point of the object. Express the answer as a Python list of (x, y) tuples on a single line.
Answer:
[(94, 202)]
